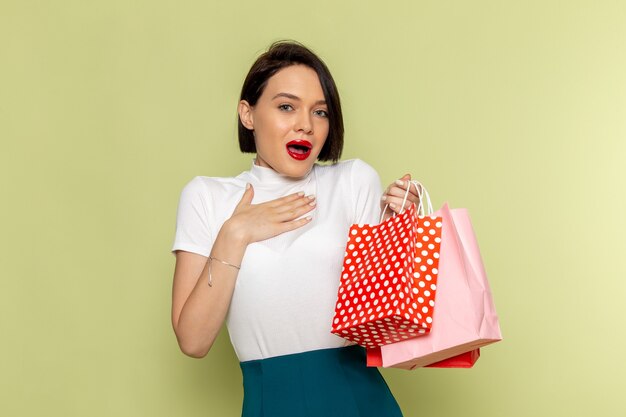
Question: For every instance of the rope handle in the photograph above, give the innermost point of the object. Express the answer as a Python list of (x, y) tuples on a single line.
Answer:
[(422, 193)]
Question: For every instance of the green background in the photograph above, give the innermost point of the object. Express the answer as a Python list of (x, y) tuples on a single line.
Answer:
[(515, 110)]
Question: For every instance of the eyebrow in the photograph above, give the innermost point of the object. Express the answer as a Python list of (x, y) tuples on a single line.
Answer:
[(293, 97)]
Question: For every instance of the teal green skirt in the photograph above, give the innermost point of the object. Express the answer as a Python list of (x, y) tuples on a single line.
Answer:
[(320, 383)]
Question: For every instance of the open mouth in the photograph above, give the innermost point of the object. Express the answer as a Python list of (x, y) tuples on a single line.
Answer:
[(299, 149)]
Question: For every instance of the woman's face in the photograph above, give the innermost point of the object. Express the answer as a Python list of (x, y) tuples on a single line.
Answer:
[(290, 121)]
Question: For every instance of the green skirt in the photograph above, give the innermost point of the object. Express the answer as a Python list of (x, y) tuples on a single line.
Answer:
[(320, 383)]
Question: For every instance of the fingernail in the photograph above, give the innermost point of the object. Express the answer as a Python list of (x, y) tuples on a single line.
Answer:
[(308, 218), (301, 194), (247, 186), (393, 206), (311, 197), (312, 203), (383, 198), (399, 182)]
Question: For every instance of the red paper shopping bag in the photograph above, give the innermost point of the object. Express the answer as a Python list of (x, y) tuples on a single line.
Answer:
[(464, 360), (389, 280), (465, 318)]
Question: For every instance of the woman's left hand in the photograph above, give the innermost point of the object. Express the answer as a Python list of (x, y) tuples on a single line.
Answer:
[(394, 195)]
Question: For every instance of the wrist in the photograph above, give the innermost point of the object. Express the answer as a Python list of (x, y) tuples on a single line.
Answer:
[(234, 234)]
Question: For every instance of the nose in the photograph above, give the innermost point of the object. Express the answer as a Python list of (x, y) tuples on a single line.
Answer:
[(304, 124)]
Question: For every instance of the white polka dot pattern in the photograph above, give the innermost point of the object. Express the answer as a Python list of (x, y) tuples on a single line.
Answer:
[(389, 280)]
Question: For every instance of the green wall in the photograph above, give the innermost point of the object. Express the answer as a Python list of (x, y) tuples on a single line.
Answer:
[(515, 110)]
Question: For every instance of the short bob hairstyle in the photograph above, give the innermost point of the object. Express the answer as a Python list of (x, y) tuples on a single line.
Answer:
[(283, 54)]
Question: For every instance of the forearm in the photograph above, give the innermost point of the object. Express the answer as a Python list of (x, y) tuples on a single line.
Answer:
[(206, 307)]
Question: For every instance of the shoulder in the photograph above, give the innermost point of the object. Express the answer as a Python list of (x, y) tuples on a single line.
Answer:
[(203, 186)]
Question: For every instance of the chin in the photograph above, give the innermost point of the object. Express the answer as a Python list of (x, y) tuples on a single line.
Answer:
[(289, 166)]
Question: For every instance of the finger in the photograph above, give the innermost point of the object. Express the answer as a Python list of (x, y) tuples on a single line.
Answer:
[(390, 194), (286, 199), (292, 205), (247, 197), (295, 224), (397, 188), (398, 199), (294, 213), (412, 195), (415, 188), (404, 183), (398, 193), (395, 203), (395, 191), (393, 208)]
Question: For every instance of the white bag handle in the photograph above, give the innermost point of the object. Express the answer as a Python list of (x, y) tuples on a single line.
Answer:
[(421, 208)]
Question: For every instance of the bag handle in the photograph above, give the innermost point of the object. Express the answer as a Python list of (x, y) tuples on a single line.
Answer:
[(421, 208)]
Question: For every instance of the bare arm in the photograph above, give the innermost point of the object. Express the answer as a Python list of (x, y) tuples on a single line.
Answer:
[(198, 310)]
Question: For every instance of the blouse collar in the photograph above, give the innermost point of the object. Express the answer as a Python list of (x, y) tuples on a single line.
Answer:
[(266, 175)]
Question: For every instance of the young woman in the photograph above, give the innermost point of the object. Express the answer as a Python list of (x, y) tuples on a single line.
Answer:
[(263, 251)]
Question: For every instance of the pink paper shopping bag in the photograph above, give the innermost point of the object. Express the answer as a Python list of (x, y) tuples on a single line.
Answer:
[(465, 318)]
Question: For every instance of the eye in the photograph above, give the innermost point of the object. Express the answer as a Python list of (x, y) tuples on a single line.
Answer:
[(285, 107), (321, 113)]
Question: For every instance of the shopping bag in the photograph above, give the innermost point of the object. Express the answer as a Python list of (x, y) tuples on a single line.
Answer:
[(465, 318), (464, 360), (389, 277)]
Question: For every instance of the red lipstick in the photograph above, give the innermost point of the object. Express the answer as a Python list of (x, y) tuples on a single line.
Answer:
[(299, 149)]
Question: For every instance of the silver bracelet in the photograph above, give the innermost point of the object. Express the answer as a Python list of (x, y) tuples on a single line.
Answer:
[(222, 262)]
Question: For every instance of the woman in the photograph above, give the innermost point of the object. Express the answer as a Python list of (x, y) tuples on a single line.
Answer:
[(263, 251)]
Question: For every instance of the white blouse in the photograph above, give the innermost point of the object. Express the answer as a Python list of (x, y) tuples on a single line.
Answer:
[(287, 286)]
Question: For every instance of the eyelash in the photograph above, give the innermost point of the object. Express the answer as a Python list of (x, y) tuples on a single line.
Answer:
[(287, 107)]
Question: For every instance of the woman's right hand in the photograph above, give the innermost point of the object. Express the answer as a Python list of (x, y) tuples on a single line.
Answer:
[(256, 222), (198, 311)]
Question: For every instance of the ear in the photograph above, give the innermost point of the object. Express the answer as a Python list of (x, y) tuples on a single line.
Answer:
[(245, 114)]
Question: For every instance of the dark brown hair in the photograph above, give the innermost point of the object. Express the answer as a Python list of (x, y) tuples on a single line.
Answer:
[(283, 54)]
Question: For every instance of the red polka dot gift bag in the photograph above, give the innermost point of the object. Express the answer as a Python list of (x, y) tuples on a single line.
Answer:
[(389, 277)]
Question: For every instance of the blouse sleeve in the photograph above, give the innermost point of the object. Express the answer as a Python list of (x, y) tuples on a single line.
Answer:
[(192, 219), (367, 193)]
